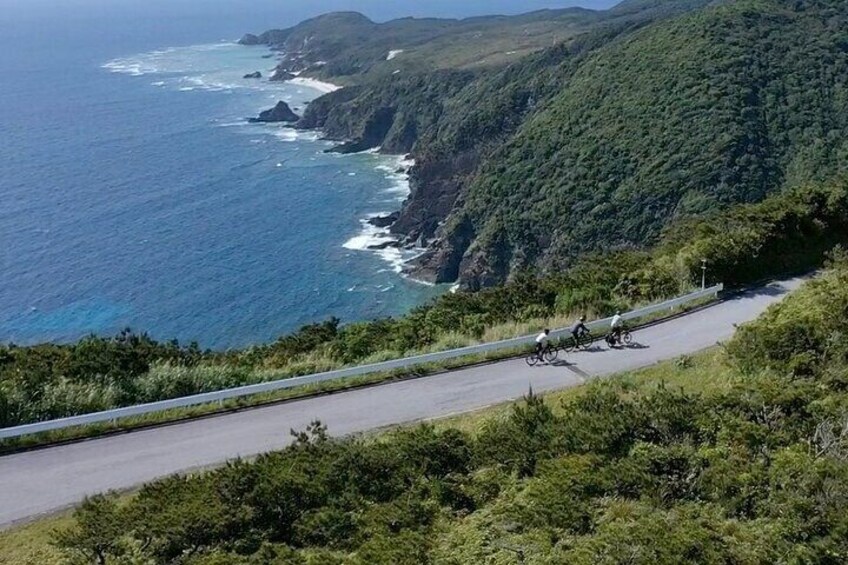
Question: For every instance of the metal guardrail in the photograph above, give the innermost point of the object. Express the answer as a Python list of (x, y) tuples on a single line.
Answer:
[(217, 396)]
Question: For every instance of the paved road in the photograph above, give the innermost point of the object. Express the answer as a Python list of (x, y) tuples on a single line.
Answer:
[(39, 482)]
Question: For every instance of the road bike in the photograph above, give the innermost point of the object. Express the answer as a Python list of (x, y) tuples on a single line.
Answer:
[(624, 338), (583, 341), (547, 355)]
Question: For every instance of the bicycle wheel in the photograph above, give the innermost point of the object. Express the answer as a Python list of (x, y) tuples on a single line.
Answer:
[(550, 354), (532, 359), (586, 340), (626, 338)]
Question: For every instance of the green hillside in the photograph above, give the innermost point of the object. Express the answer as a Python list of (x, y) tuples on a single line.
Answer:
[(650, 112), (349, 47), (681, 118)]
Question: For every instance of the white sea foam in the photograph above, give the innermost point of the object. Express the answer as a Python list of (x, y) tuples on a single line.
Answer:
[(371, 236), (393, 53), (397, 173), (325, 87), (289, 135)]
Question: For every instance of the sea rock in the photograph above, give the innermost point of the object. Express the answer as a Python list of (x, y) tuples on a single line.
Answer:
[(256, 74), (384, 221), (384, 245), (279, 113), (249, 39)]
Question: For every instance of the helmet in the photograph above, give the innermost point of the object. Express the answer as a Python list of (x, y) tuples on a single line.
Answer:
[(547, 331), (582, 318)]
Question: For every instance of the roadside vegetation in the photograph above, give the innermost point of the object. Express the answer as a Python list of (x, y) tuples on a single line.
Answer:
[(737, 455), (787, 233)]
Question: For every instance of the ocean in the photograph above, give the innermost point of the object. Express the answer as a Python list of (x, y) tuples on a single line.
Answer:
[(134, 194)]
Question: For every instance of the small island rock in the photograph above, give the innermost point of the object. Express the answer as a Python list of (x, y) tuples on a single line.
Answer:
[(257, 74), (279, 113), (249, 39)]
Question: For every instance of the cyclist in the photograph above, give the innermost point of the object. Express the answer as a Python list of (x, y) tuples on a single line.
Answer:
[(579, 329), (617, 325), (541, 341)]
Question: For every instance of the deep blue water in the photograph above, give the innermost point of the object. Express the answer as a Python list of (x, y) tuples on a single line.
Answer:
[(133, 194)]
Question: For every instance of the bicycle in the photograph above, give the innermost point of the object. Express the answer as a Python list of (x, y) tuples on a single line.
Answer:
[(624, 338), (584, 341), (547, 355)]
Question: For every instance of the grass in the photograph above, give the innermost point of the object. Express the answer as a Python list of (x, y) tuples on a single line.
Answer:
[(30, 544), (449, 341), (706, 373)]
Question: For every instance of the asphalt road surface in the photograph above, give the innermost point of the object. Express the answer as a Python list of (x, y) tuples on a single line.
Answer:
[(44, 481)]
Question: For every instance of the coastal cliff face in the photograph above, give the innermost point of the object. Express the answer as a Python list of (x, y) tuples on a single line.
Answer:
[(598, 143)]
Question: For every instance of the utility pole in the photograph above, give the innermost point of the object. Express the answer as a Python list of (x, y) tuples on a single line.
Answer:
[(703, 274)]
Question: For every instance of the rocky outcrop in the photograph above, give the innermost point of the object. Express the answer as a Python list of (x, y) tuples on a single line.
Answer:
[(384, 245), (384, 221), (250, 39), (256, 74), (441, 263), (435, 186), (318, 112), (279, 113), (280, 75), (375, 129)]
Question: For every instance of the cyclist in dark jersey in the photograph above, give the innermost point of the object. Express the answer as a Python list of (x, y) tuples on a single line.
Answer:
[(579, 329)]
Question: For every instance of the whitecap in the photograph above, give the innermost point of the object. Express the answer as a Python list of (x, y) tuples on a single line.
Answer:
[(287, 135)]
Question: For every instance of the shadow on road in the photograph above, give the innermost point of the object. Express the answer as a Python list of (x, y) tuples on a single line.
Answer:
[(578, 371), (769, 290), (637, 346)]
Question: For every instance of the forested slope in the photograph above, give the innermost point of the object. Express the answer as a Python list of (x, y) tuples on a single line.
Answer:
[(679, 118), (647, 113)]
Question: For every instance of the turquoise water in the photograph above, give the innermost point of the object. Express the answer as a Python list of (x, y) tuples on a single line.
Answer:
[(139, 196)]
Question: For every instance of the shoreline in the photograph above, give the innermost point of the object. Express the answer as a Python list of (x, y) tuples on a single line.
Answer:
[(379, 240), (321, 86)]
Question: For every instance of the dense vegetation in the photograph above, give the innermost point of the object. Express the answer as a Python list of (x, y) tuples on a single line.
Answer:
[(681, 118), (646, 115), (750, 471), (787, 233)]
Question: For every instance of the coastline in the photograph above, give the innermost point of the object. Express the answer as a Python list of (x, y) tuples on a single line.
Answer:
[(321, 86), (379, 240)]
